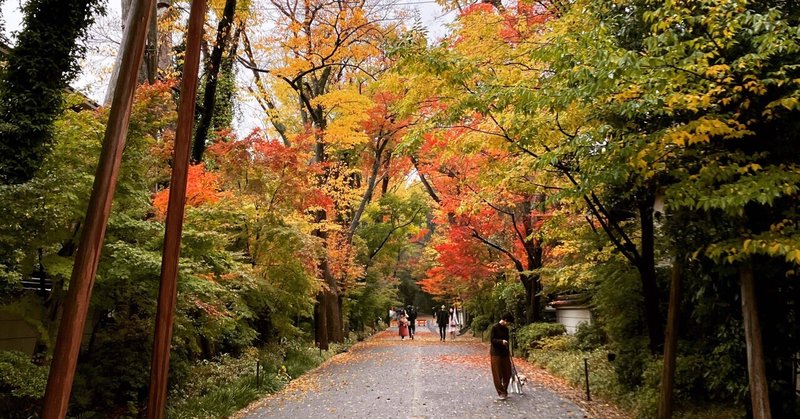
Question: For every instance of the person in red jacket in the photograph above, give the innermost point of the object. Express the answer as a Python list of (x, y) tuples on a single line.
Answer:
[(501, 355)]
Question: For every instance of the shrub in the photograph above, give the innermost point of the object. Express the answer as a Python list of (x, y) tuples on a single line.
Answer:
[(557, 343), (480, 323), (218, 388), (589, 337), (208, 375), (530, 336), (300, 359), (641, 401), (632, 358), (22, 383)]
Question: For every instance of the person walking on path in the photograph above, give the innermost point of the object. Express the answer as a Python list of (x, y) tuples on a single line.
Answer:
[(453, 327), (402, 325), (500, 355), (442, 320), (411, 314)]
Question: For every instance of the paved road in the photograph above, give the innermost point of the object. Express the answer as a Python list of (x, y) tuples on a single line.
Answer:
[(424, 378)]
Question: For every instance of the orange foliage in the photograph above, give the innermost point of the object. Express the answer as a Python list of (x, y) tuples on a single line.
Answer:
[(202, 188), (264, 168)]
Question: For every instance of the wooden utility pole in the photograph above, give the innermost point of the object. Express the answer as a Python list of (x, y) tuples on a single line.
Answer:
[(671, 342), (76, 305), (759, 391), (167, 293)]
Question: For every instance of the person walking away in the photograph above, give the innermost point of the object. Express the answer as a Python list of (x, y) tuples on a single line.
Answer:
[(442, 320), (402, 324), (453, 326), (411, 314), (501, 355)]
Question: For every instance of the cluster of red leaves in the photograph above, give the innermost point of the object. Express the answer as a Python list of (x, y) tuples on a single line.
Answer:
[(462, 264), (342, 258), (382, 119), (264, 167)]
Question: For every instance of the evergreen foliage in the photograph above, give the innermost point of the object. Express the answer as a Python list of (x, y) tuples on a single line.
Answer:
[(32, 84)]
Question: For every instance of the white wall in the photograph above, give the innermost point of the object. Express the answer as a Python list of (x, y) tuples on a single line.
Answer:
[(571, 317)]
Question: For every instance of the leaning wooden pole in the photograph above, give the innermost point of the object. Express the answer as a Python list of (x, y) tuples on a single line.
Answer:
[(167, 293), (76, 305)]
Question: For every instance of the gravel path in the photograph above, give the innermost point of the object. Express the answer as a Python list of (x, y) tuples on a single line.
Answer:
[(385, 377)]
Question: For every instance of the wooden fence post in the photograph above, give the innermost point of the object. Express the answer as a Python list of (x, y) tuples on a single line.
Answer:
[(759, 388), (671, 342)]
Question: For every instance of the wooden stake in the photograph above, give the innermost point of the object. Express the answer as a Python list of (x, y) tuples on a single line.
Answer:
[(670, 343), (167, 293), (759, 392), (76, 304)]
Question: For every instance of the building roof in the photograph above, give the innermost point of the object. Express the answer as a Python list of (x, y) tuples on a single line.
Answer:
[(570, 301)]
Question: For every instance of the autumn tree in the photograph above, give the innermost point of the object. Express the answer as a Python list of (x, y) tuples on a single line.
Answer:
[(477, 170), (326, 62)]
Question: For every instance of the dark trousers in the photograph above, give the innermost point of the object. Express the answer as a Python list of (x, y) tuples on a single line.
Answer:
[(501, 374), (442, 332), (412, 326)]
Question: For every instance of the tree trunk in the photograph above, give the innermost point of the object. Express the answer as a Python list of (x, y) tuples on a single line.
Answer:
[(386, 175), (371, 183), (321, 320), (533, 256), (671, 343), (210, 92), (150, 64), (532, 297), (164, 51), (756, 371), (647, 273), (149, 67)]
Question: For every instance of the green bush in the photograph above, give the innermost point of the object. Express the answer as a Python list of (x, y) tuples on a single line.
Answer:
[(480, 323), (631, 362), (221, 401), (300, 359), (217, 388), (641, 401), (589, 337), (531, 335), (557, 343), (22, 383)]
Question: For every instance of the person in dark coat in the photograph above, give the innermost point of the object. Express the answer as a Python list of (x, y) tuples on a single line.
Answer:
[(411, 314), (501, 355), (442, 320)]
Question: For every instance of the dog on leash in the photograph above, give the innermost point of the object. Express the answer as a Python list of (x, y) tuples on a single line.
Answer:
[(522, 379)]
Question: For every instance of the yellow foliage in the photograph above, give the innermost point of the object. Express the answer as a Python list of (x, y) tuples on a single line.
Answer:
[(347, 111)]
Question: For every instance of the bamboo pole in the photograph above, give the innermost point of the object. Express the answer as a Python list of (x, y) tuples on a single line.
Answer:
[(76, 304), (167, 293)]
